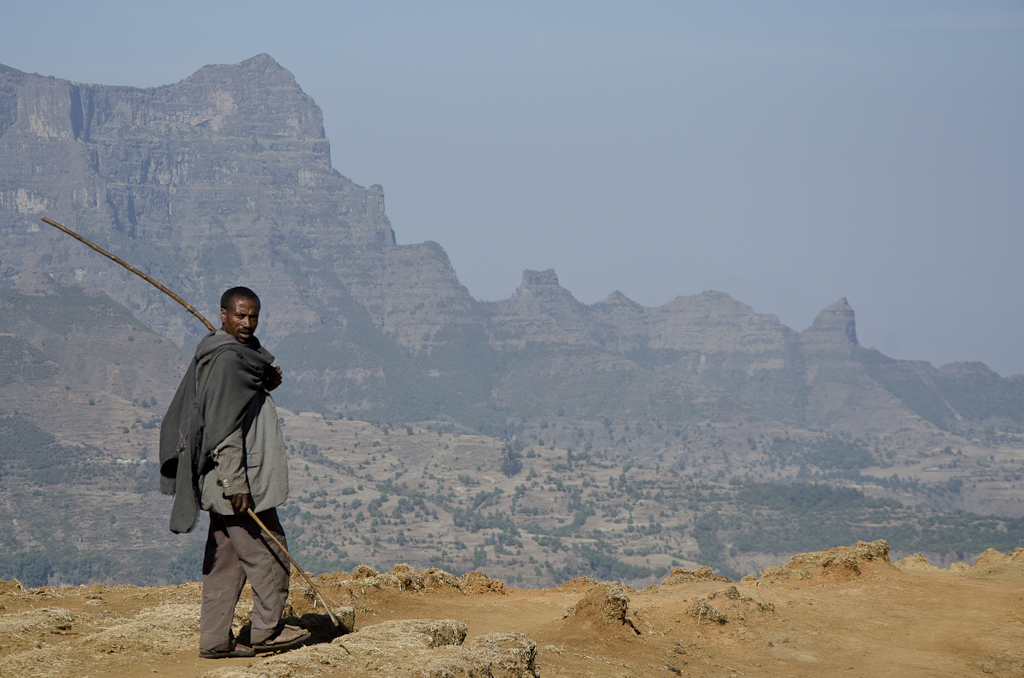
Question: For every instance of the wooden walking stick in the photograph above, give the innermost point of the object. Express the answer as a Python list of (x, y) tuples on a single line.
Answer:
[(172, 295), (193, 311)]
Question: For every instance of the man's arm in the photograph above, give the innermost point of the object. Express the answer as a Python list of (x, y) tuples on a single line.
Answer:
[(231, 477)]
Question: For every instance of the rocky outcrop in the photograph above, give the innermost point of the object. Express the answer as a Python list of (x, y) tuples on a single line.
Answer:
[(993, 563), (834, 329), (835, 563), (919, 563), (415, 647), (682, 575), (604, 610), (542, 310), (475, 581)]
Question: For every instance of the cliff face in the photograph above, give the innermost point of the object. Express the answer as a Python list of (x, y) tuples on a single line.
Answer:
[(713, 341), (221, 178), (225, 178)]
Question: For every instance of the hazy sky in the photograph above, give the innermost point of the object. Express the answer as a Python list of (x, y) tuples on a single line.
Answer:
[(786, 153)]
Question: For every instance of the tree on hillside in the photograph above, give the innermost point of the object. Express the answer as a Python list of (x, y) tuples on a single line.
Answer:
[(511, 461)]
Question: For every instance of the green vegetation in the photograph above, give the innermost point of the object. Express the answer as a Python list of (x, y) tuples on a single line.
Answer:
[(952, 397), (511, 461), (392, 386), (30, 454), (21, 361), (67, 312), (59, 564), (800, 517), (603, 567)]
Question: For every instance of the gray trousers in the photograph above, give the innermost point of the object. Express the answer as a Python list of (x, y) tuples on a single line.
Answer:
[(236, 550)]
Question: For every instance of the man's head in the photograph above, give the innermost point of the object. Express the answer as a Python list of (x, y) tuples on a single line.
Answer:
[(240, 313)]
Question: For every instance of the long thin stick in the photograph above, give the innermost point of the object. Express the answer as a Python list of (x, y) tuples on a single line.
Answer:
[(298, 567), (172, 295), (193, 311)]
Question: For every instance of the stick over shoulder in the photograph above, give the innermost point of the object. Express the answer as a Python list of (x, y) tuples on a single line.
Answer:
[(151, 281)]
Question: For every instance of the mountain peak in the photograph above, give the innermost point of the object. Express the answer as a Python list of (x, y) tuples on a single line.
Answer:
[(544, 285), (262, 60), (618, 300), (545, 278), (262, 64), (837, 321)]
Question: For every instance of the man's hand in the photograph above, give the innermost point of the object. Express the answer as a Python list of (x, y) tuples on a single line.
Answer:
[(272, 378), (240, 502)]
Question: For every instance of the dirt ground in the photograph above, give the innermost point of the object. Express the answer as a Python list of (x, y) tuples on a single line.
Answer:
[(843, 612)]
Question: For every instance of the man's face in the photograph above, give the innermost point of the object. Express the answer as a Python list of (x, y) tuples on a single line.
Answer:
[(241, 319)]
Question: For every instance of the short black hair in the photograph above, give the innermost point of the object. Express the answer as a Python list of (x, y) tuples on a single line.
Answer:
[(243, 292)]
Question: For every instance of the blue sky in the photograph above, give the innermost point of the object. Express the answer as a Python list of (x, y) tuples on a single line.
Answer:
[(786, 153)]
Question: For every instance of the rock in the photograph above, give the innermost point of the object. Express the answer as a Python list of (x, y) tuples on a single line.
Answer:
[(604, 606), (834, 328), (364, 572), (418, 647), (9, 586), (540, 297), (916, 561), (990, 557), (682, 575), (993, 562), (839, 562), (402, 577), (511, 655), (999, 665), (475, 581), (435, 578), (701, 610), (435, 632)]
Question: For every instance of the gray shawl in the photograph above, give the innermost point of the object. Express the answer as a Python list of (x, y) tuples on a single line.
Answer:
[(210, 403)]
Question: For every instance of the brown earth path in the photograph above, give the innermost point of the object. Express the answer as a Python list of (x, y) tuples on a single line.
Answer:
[(877, 621)]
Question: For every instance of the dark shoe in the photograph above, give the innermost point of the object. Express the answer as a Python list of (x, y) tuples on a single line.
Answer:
[(288, 638), (238, 650)]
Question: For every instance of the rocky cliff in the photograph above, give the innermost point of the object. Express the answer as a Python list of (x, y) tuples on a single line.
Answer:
[(226, 178), (223, 177)]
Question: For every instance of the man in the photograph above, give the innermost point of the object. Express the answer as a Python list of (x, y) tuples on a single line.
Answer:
[(221, 451)]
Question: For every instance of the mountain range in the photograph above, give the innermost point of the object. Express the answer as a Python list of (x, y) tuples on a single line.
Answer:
[(226, 178)]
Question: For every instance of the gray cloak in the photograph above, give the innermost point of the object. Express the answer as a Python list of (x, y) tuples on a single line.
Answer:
[(211, 402)]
